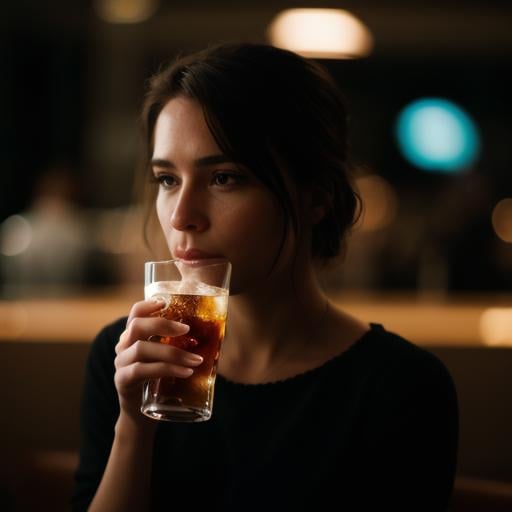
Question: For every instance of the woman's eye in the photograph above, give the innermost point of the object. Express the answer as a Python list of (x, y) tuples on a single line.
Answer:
[(166, 180), (226, 178)]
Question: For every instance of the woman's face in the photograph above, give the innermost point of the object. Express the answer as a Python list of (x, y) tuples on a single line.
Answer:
[(209, 206)]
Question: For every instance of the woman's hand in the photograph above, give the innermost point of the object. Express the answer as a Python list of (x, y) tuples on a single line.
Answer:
[(137, 360)]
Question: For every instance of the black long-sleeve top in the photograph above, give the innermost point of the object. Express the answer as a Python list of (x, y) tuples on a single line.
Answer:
[(374, 428)]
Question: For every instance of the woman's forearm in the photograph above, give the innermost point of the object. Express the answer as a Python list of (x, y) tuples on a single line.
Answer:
[(125, 485)]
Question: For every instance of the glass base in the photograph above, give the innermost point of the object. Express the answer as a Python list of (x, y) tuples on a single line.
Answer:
[(181, 413)]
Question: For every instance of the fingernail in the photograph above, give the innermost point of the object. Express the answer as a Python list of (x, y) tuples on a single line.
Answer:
[(188, 372), (195, 358), (181, 328)]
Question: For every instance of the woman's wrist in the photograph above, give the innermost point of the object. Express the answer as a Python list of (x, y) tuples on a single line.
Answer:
[(135, 430)]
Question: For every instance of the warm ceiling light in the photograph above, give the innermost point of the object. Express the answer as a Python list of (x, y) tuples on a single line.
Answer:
[(321, 33), (125, 11)]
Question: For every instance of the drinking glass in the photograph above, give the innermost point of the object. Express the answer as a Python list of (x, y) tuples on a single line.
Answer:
[(194, 293)]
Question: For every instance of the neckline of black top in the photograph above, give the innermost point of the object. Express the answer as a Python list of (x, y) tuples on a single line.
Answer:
[(308, 373)]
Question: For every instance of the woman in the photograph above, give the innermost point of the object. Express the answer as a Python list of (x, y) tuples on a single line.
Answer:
[(247, 152)]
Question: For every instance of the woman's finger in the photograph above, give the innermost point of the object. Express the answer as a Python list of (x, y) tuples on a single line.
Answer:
[(144, 352), (135, 374), (144, 328), (145, 308)]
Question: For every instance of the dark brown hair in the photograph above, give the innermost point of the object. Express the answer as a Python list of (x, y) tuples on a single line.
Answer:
[(276, 113)]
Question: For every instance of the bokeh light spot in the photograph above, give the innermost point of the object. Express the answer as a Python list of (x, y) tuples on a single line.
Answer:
[(321, 33), (125, 11), (380, 202), (435, 134), (15, 235), (502, 220), (496, 326)]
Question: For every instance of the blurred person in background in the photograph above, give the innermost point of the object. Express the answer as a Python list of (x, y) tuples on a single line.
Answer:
[(47, 249), (314, 408)]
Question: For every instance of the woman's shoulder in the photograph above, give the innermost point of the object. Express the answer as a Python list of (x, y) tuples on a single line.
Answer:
[(374, 345), (390, 354), (391, 346)]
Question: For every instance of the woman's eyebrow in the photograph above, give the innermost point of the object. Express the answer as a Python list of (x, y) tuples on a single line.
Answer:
[(199, 162)]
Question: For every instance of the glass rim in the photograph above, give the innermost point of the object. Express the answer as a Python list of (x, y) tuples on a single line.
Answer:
[(206, 262)]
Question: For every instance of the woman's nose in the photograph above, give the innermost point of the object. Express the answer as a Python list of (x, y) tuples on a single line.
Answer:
[(189, 213)]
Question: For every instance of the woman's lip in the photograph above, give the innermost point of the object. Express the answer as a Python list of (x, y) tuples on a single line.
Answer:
[(194, 255)]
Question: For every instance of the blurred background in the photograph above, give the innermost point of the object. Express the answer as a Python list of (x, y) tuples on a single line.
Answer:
[(427, 86)]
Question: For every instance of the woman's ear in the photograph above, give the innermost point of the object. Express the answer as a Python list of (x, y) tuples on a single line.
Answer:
[(319, 204)]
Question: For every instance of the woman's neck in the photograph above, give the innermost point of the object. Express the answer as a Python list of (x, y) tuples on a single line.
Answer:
[(271, 327)]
